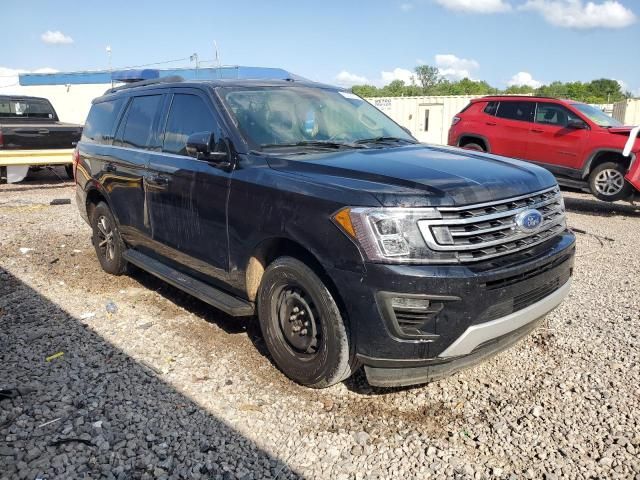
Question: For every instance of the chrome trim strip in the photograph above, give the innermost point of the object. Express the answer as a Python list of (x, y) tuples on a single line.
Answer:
[(492, 216), (476, 335), (508, 252), (431, 242)]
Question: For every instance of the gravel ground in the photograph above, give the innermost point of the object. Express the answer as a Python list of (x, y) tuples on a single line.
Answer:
[(166, 387)]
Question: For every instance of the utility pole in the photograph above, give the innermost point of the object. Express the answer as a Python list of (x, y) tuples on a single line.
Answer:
[(194, 58), (110, 72)]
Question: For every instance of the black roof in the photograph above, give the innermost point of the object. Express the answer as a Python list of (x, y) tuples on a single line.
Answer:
[(168, 82), (21, 97)]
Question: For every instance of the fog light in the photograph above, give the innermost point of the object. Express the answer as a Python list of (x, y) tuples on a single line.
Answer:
[(407, 303)]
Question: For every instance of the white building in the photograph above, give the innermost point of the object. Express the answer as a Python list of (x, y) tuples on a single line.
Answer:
[(71, 93)]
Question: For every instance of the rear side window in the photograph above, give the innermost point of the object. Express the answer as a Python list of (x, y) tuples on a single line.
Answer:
[(101, 120), (491, 108), (522, 111), (189, 114), (138, 130)]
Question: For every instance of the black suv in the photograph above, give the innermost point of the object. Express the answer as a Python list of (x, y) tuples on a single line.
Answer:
[(307, 206)]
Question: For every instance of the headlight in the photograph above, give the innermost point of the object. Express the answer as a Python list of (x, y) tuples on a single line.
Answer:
[(390, 235)]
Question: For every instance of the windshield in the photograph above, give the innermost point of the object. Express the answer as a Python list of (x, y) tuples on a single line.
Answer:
[(597, 116), (299, 116), (25, 108)]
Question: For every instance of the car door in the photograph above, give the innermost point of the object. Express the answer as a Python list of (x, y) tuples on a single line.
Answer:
[(552, 142), (124, 165), (187, 197), (511, 128)]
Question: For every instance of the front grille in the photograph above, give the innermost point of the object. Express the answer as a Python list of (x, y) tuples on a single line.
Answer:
[(526, 299), (529, 274), (488, 230)]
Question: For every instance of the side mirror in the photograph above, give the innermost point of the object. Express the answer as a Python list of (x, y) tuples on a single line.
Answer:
[(201, 145), (577, 124)]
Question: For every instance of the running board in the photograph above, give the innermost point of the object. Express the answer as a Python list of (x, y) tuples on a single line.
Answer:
[(229, 304), (573, 183)]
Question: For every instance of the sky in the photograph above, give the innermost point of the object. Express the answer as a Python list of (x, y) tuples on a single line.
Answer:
[(344, 42)]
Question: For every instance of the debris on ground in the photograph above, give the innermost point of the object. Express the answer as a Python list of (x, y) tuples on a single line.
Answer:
[(60, 201), (54, 356)]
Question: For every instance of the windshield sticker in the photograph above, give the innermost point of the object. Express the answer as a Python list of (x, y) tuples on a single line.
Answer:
[(350, 96)]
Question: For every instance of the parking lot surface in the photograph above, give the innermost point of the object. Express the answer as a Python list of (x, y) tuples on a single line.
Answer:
[(159, 385)]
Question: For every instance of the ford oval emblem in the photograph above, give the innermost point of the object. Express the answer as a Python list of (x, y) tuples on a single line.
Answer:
[(529, 221)]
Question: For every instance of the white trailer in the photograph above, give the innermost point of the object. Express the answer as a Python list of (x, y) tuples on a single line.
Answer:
[(627, 111), (428, 118)]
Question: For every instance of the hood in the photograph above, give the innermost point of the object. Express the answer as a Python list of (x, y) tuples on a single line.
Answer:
[(420, 175)]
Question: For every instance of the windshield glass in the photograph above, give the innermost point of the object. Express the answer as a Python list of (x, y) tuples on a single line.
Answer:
[(597, 116), (290, 116)]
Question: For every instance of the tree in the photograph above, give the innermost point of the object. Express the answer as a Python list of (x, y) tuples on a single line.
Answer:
[(428, 77), (395, 89), (365, 90)]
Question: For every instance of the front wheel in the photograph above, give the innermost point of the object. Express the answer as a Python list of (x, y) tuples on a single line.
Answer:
[(302, 325), (607, 182)]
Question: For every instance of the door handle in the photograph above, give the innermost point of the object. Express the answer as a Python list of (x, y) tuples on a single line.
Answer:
[(110, 168), (537, 130), (43, 131), (492, 124)]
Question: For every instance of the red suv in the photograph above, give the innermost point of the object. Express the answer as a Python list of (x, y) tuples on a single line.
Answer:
[(579, 144)]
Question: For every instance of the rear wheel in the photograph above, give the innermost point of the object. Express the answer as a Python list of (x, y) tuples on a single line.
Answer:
[(107, 241), (302, 325), (607, 182)]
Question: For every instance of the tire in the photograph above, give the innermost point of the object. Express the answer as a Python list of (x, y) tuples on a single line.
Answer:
[(607, 182), (69, 171), (474, 146), (320, 358), (107, 241)]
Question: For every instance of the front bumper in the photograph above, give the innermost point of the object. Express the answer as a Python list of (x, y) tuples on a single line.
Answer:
[(482, 303)]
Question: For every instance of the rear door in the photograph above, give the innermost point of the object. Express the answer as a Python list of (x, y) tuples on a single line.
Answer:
[(187, 197), (123, 170), (510, 129), (552, 143)]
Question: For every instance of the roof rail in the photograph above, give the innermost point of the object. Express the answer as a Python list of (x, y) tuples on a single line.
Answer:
[(170, 79)]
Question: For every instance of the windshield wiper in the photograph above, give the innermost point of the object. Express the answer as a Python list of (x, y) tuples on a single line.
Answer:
[(385, 140), (314, 143)]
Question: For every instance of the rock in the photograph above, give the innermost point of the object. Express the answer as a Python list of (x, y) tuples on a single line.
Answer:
[(606, 462), (361, 438), (537, 411)]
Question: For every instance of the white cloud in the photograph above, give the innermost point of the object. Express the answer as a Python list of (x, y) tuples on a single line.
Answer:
[(406, 7), (454, 68), (407, 76), (524, 79), (348, 79), (56, 37), (580, 15), (476, 6)]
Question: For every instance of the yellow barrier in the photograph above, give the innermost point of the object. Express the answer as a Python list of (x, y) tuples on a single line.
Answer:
[(61, 156)]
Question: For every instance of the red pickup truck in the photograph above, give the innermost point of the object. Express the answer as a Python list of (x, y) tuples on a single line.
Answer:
[(583, 147)]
